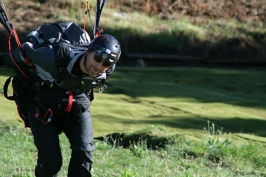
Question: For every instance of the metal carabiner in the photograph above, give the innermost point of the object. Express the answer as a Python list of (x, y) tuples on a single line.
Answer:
[(49, 111)]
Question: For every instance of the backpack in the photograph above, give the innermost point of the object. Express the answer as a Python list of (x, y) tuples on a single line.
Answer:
[(23, 87), (67, 31)]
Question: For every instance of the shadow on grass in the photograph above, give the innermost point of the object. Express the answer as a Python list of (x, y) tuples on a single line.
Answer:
[(216, 127), (230, 125), (242, 87)]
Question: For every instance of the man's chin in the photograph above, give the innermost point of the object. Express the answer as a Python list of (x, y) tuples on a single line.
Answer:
[(92, 74)]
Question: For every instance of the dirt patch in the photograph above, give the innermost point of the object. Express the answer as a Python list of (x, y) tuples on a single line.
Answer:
[(252, 11), (30, 13), (233, 50)]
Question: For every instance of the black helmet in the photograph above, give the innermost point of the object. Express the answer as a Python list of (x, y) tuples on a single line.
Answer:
[(107, 47)]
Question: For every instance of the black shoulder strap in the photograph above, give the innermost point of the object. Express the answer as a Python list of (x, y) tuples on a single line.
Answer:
[(5, 89)]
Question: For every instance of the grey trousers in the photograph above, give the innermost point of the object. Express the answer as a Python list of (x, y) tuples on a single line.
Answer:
[(78, 130)]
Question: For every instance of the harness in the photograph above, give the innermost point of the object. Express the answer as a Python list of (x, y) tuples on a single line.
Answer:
[(26, 84)]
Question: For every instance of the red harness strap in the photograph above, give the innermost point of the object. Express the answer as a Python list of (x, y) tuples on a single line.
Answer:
[(70, 101), (14, 34)]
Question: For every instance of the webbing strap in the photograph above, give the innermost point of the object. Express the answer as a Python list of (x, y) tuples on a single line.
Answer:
[(5, 89), (99, 8), (12, 33), (4, 19), (87, 11), (70, 101)]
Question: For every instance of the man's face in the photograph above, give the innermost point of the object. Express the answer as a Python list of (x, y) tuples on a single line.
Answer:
[(95, 64)]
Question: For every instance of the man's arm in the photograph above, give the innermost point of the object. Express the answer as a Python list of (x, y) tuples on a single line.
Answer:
[(5, 59)]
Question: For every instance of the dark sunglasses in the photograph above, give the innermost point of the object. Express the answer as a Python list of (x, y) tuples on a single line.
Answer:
[(99, 59)]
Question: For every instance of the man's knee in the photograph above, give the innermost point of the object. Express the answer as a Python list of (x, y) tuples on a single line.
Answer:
[(47, 170), (80, 163)]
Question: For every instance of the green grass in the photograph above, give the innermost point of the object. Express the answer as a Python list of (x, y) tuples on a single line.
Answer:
[(213, 155), (213, 120)]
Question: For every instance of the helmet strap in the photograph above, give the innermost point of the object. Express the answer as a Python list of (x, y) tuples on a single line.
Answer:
[(85, 61)]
